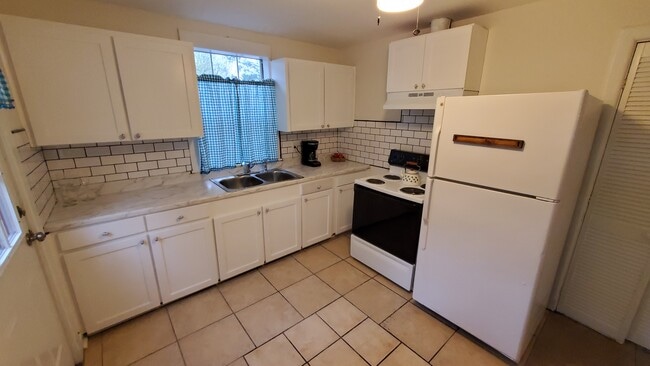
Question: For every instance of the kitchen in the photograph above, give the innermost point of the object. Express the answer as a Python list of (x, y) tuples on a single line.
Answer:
[(542, 46)]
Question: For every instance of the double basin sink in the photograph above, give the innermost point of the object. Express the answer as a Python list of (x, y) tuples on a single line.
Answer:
[(238, 182)]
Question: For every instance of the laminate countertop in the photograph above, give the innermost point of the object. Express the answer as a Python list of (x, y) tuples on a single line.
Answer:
[(98, 203)]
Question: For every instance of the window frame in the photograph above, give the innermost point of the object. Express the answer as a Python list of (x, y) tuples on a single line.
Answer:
[(11, 231), (264, 63)]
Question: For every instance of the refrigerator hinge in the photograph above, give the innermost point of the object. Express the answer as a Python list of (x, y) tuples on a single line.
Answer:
[(547, 199)]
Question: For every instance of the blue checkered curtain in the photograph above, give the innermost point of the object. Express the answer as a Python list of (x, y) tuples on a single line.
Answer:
[(6, 101), (240, 122)]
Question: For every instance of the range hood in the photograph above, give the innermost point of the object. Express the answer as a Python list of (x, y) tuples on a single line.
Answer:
[(424, 99)]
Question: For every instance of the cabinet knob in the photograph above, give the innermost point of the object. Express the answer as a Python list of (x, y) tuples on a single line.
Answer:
[(415, 86), (340, 190), (142, 242), (179, 218), (137, 135), (267, 210), (106, 234), (122, 136), (306, 200), (318, 187), (156, 239), (259, 212), (328, 125), (423, 86), (322, 126)]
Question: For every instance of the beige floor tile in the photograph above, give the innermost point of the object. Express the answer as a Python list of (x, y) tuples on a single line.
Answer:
[(93, 353), (284, 272), (418, 330), (309, 295), (403, 356), (563, 341), (342, 316), (245, 290), (338, 354), (342, 277), (217, 344), (239, 362), (197, 311), (461, 351), (311, 336), (339, 245), (361, 267), (137, 338), (276, 352), (371, 341), (375, 300), (168, 356), (316, 258), (268, 318), (394, 287), (642, 356)]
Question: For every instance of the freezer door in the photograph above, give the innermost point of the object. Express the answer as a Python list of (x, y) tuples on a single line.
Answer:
[(479, 266), (545, 124)]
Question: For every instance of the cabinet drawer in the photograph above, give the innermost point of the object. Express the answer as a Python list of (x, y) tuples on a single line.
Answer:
[(317, 186), (89, 235), (349, 178), (177, 216)]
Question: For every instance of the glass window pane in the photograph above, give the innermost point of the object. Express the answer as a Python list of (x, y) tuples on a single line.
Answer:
[(203, 63), (224, 65), (250, 68)]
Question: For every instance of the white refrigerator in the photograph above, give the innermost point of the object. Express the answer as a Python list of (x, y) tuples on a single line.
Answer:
[(504, 175)]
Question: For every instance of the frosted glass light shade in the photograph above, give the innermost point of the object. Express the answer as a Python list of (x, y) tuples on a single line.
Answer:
[(395, 6)]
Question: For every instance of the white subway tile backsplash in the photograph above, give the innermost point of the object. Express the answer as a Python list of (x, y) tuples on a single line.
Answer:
[(167, 163), (140, 174), (134, 158), (103, 170), (155, 156), (121, 149), (164, 146), (114, 177), (155, 172), (98, 151), (125, 168), (60, 164), (85, 162), (77, 173), (174, 154), (113, 159), (70, 153), (147, 165)]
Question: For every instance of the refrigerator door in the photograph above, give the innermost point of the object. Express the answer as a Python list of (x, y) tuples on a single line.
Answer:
[(478, 262), (474, 128)]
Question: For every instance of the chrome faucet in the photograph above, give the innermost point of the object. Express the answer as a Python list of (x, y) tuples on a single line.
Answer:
[(247, 167)]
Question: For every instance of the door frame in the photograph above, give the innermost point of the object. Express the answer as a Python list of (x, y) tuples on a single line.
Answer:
[(619, 67)]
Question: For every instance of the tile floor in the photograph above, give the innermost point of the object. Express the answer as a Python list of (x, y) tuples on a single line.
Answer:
[(322, 307)]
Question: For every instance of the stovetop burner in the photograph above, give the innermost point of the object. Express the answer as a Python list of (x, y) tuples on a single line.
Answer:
[(375, 181), (392, 177), (412, 190)]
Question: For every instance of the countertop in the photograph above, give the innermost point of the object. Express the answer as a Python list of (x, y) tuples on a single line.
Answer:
[(98, 203)]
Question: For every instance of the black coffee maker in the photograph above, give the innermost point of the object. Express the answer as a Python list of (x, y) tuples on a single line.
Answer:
[(308, 153)]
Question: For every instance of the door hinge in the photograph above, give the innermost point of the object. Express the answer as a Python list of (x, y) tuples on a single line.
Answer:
[(31, 237), (21, 212)]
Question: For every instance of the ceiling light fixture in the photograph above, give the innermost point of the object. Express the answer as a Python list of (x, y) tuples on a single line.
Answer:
[(396, 6)]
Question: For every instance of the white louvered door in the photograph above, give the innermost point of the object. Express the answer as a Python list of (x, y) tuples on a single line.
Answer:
[(609, 274)]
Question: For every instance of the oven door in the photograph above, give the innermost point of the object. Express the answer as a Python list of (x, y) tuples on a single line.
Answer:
[(387, 222)]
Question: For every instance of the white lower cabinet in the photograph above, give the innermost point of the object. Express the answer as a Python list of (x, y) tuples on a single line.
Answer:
[(240, 242), (113, 281), (282, 231), (185, 258), (343, 202), (317, 217)]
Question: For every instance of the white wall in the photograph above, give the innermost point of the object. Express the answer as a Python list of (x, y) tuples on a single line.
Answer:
[(549, 45)]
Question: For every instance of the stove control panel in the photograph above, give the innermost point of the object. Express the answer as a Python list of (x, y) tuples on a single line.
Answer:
[(400, 158)]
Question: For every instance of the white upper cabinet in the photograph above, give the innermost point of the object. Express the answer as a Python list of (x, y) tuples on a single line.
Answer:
[(159, 82), (313, 95), (68, 80), (447, 62), (85, 85)]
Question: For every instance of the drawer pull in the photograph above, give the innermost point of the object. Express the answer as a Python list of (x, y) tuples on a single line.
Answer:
[(142, 242), (157, 239), (318, 187), (106, 234), (179, 218)]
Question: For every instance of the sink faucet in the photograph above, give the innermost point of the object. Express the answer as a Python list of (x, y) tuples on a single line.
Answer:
[(247, 167)]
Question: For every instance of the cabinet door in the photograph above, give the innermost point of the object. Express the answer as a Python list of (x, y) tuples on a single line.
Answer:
[(68, 82), (339, 96), (344, 200), (282, 230), (113, 281), (317, 217), (159, 83), (305, 95), (240, 242), (185, 257), (405, 60), (445, 58)]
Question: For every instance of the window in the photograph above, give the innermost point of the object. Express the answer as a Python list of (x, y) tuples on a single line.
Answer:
[(238, 110), (9, 227)]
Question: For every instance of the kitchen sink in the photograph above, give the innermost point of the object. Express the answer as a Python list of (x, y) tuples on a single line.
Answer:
[(238, 182), (277, 175)]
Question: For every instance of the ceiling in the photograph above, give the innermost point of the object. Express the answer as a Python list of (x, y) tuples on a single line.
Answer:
[(331, 23)]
